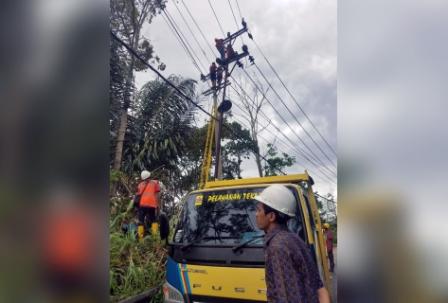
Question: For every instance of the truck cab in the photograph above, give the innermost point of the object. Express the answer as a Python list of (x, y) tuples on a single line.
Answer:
[(216, 253)]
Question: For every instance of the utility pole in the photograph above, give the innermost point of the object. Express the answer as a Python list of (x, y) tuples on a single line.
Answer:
[(217, 130), (228, 56), (218, 166)]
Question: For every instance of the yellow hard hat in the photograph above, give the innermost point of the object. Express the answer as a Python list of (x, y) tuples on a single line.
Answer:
[(326, 225)]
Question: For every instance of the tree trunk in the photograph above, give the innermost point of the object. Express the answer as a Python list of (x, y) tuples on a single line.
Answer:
[(258, 160), (120, 138), (257, 156), (124, 116), (239, 167)]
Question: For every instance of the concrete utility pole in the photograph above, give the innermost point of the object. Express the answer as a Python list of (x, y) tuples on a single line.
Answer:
[(228, 56), (218, 166), (217, 130)]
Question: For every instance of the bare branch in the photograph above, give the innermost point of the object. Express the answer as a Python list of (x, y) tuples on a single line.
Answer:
[(266, 126)]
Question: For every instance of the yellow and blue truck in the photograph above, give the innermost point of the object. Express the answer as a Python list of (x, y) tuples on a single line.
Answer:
[(216, 252)]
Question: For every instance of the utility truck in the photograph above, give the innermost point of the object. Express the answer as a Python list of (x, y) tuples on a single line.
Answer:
[(216, 251)]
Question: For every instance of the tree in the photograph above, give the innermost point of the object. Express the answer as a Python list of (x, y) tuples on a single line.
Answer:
[(240, 145), (253, 106), (161, 137), (117, 85), (127, 18), (275, 163), (159, 126), (191, 162), (327, 208)]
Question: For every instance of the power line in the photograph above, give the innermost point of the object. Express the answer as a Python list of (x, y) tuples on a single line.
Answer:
[(236, 22), (265, 140), (296, 102), (286, 88), (234, 18), (275, 136), (281, 141), (316, 157), (237, 25), (198, 27), (191, 31), (184, 20), (239, 9), (201, 31), (134, 53), (182, 44), (216, 17), (179, 32), (292, 114), (300, 152), (261, 112), (292, 96), (312, 154), (284, 121)]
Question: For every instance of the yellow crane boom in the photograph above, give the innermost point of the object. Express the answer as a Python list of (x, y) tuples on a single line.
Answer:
[(207, 159)]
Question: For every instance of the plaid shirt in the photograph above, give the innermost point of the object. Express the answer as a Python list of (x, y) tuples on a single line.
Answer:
[(291, 273)]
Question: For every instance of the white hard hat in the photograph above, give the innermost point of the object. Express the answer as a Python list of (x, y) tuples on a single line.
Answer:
[(145, 174), (278, 197)]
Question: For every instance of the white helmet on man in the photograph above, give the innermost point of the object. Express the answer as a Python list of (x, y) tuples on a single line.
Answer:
[(278, 197), (145, 175)]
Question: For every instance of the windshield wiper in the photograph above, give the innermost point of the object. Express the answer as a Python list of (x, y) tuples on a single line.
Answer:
[(241, 245)]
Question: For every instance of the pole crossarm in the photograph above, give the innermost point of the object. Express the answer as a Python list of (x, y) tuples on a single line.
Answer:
[(219, 87), (235, 35)]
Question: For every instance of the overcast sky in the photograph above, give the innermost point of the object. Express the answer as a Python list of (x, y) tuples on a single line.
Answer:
[(299, 39)]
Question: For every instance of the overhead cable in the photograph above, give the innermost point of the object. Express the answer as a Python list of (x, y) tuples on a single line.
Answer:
[(135, 54)]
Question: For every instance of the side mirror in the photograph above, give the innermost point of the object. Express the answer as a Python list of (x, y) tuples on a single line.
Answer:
[(164, 226)]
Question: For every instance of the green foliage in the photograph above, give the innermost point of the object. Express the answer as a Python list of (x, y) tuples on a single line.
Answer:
[(159, 127), (127, 18), (134, 266), (239, 147), (117, 83), (275, 163)]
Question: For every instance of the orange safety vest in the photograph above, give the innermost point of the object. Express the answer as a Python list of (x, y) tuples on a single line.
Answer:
[(148, 193)]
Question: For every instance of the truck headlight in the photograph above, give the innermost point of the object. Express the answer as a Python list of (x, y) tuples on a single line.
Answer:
[(171, 294)]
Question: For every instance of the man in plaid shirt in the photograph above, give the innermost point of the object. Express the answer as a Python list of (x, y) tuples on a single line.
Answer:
[(291, 273)]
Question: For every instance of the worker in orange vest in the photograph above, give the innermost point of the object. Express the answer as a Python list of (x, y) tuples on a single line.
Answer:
[(148, 201)]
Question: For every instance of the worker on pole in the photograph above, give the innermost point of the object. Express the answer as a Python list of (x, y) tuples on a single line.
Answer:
[(213, 74), (147, 201), (230, 53), (219, 44)]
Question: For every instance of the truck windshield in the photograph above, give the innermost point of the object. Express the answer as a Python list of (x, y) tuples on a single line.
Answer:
[(224, 217)]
